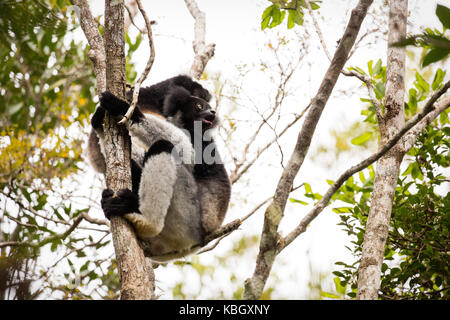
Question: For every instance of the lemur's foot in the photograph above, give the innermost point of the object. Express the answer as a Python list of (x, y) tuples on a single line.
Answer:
[(125, 201)]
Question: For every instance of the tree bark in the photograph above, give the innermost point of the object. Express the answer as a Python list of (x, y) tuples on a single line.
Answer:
[(388, 166), (203, 52), (134, 281), (269, 243)]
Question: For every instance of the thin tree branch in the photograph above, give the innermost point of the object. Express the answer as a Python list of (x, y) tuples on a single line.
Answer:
[(149, 65), (318, 31), (361, 77), (43, 242)]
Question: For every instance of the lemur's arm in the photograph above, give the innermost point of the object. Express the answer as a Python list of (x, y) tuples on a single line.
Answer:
[(147, 128)]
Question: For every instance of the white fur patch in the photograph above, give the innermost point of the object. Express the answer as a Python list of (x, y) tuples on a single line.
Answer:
[(156, 191)]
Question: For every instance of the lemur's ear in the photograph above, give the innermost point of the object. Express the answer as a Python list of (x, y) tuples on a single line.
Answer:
[(201, 92), (177, 98)]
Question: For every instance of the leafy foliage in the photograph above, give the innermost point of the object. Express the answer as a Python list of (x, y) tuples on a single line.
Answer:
[(416, 260), (275, 14), (435, 42), (46, 91)]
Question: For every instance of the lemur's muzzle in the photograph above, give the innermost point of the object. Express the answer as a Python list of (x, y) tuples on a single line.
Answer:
[(209, 118)]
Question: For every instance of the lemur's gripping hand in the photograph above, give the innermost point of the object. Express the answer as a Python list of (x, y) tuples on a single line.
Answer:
[(124, 202), (116, 106)]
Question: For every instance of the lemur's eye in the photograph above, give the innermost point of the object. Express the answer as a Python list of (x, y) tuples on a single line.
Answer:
[(199, 106)]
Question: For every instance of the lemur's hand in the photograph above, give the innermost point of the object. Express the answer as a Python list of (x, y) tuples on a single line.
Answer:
[(116, 106), (124, 202)]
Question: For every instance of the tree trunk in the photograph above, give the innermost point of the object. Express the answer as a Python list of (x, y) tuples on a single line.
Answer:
[(388, 167), (130, 257)]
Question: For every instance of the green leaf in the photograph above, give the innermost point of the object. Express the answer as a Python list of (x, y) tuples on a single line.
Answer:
[(421, 84), (380, 90), (267, 15), (443, 13), (314, 5), (434, 55), (408, 170), (291, 19), (278, 18), (415, 172), (298, 201), (371, 171), (443, 118), (438, 77), (412, 103), (377, 69), (268, 12), (369, 65), (343, 210), (26, 194), (308, 188), (272, 17), (318, 196), (361, 177), (337, 282), (362, 138)]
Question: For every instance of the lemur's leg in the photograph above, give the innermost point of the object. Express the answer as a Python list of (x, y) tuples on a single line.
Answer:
[(147, 212), (155, 190)]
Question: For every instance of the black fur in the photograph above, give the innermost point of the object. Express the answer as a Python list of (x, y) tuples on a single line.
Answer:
[(181, 101), (124, 202), (118, 107), (98, 118), (158, 147), (152, 98), (190, 108), (136, 172)]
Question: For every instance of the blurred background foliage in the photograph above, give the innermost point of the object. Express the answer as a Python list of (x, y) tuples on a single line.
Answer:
[(47, 92)]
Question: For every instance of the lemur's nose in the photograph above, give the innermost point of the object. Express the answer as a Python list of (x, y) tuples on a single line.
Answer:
[(213, 112)]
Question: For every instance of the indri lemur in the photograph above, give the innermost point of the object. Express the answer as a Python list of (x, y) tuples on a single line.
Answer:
[(174, 202)]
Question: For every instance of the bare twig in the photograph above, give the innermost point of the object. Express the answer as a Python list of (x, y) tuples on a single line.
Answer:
[(318, 31), (373, 98), (236, 175), (144, 75)]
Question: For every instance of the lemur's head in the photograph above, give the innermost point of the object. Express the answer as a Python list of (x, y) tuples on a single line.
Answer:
[(184, 109)]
